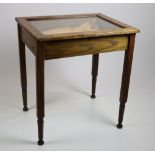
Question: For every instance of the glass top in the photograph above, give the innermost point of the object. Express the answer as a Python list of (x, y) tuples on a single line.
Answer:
[(72, 25)]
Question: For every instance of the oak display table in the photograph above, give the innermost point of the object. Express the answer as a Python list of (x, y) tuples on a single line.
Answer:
[(51, 37)]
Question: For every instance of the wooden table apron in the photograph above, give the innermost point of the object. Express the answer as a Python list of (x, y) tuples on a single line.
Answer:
[(44, 50)]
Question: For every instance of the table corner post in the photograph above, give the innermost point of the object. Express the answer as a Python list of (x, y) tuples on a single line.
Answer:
[(23, 74), (95, 60), (40, 90), (126, 78)]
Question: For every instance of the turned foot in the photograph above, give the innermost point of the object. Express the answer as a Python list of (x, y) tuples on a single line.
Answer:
[(40, 142), (25, 109), (40, 131), (119, 126), (93, 96)]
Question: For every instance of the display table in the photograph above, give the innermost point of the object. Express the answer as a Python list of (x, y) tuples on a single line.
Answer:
[(51, 37)]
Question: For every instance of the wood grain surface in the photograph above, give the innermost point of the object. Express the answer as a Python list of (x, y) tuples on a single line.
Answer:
[(78, 47)]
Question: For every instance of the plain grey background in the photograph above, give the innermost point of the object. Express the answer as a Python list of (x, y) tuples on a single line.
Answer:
[(73, 121)]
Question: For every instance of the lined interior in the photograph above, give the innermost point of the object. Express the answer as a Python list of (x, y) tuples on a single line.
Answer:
[(74, 25)]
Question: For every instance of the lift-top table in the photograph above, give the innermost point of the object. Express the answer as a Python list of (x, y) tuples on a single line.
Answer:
[(51, 37)]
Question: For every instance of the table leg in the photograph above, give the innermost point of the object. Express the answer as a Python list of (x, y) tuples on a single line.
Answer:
[(40, 91), (126, 78), (22, 59), (95, 60)]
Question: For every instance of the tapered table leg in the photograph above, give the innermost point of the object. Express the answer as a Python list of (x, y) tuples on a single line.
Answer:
[(22, 59), (40, 91), (95, 60), (126, 78)]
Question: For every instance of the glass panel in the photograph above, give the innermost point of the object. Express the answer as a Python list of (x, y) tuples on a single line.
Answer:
[(74, 25)]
